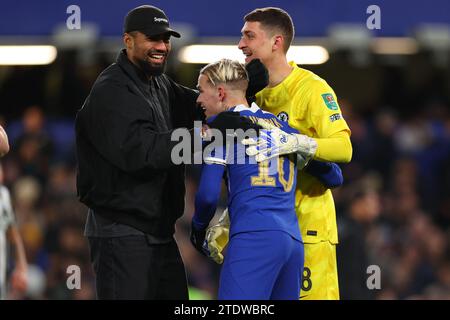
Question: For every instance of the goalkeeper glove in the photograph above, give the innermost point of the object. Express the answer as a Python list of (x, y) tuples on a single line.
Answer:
[(217, 237), (258, 79), (274, 142)]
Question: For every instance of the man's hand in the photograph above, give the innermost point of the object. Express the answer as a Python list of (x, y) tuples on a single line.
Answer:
[(274, 142), (19, 280), (258, 78), (197, 239), (232, 120), (217, 237)]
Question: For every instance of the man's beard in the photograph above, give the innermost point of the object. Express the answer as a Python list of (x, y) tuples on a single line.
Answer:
[(151, 69)]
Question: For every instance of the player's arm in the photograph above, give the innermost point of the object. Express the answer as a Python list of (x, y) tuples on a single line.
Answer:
[(206, 199), (207, 195), (332, 139), (336, 148), (19, 275), (274, 142), (333, 134), (4, 145), (328, 173)]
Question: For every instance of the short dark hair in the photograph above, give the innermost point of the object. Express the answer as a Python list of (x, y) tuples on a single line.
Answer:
[(274, 18)]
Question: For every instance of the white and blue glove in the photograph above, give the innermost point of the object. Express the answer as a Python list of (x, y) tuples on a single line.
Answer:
[(273, 142)]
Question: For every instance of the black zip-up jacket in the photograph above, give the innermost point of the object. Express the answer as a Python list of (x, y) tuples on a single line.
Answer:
[(123, 131)]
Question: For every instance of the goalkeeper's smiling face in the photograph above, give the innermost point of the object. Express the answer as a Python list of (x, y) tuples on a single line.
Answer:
[(210, 98), (256, 42)]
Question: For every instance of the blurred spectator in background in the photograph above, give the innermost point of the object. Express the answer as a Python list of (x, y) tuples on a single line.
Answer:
[(352, 252), (34, 146)]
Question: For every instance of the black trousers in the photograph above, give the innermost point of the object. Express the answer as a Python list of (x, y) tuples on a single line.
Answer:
[(132, 268)]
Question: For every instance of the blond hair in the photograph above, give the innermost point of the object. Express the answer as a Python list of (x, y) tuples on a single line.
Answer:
[(226, 71)]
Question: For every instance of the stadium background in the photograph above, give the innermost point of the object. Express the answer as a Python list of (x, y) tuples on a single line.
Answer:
[(393, 85)]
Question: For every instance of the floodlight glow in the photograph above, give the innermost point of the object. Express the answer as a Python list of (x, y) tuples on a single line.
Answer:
[(27, 55), (394, 46), (203, 54)]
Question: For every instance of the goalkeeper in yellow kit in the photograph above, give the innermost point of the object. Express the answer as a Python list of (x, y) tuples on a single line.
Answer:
[(309, 104)]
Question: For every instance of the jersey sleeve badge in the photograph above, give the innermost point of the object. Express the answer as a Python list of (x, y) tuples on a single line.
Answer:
[(329, 101)]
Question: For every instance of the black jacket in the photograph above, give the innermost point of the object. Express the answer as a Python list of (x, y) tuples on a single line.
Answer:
[(123, 144)]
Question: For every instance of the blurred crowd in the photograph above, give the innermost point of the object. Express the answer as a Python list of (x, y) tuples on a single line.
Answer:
[(40, 172), (393, 210)]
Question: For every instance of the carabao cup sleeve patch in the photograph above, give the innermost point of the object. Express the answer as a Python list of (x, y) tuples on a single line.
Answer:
[(329, 101)]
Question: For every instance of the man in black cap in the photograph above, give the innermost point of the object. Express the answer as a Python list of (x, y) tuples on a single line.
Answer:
[(125, 175), (147, 35)]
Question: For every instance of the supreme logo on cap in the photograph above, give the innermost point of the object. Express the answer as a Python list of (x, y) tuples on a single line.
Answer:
[(160, 20)]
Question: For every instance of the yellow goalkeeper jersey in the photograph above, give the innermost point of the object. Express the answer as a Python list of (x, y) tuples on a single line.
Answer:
[(309, 104)]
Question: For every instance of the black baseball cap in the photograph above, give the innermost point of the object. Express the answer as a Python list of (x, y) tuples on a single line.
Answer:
[(149, 20)]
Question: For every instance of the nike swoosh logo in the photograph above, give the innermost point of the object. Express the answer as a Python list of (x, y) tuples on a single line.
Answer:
[(301, 297)]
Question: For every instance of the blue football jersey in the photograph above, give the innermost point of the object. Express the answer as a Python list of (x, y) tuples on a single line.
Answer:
[(261, 196)]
